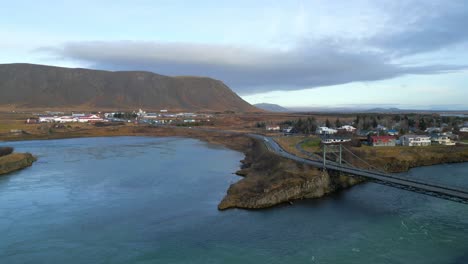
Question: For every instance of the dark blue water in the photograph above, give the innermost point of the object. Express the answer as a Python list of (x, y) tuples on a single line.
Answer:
[(153, 200)]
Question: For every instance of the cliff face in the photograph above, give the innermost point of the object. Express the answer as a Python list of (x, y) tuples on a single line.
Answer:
[(15, 161), (39, 86), (271, 180)]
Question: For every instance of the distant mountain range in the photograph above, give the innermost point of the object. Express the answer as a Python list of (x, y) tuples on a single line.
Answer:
[(369, 110), (271, 107), (39, 86)]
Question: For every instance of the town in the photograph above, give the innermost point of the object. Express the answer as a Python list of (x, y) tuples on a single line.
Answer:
[(381, 130), (373, 129), (137, 117)]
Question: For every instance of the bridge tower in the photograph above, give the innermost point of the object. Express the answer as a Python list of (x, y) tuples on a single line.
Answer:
[(334, 149)]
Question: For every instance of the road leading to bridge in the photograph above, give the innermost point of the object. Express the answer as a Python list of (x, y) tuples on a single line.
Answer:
[(432, 189)]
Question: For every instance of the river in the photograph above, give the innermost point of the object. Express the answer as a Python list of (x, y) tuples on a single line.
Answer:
[(154, 200)]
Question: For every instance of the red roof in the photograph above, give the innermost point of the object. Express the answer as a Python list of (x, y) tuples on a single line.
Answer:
[(382, 138)]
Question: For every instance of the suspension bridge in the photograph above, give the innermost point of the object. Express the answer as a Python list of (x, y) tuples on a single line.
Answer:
[(370, 172)]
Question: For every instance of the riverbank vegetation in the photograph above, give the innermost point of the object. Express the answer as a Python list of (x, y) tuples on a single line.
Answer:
[(15, 161)]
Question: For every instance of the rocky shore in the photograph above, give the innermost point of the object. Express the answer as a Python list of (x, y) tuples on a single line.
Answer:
[(270, 180), (15, 161)]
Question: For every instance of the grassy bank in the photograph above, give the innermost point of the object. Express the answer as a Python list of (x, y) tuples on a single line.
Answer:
[(15, 161), (401, 159)]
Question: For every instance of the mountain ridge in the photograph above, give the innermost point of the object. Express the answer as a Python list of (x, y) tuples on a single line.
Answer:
[(24, 85), (272, 107)]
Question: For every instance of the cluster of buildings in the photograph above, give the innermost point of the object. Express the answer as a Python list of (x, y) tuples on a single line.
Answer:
[(164, 117), (412, 140), (330, 131), (77, 118), (390, 137)]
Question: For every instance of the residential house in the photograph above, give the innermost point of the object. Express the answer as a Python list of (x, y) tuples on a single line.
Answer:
[(348, 128), (273, 128), (441, 139), (415, 140), (325, 131), (464, 129), (431, 130), (288, 130), (382, 141)]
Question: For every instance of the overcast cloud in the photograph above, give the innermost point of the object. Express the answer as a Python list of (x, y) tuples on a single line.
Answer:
[(418, 28)]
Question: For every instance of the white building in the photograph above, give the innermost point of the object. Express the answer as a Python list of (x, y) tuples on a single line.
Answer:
[(325, 131), (151, 116), (273, 128), (464, 129), (348, 128), (415, 140), (47, 119), (288, 130), (90, 118), (442, 140), (66, 119)]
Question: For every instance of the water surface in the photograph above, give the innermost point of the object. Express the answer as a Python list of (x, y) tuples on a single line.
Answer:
[(153, 200)]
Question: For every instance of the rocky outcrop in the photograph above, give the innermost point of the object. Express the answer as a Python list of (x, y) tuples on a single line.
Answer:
[(15, 161), (271, 180)]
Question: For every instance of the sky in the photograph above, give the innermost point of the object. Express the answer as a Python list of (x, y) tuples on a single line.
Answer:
[(410, 54)]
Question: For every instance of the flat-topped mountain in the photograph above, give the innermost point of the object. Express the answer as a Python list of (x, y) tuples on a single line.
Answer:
[(271, 107), (39, 86)]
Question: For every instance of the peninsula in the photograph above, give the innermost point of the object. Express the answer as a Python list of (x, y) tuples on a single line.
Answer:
[(10, 162)]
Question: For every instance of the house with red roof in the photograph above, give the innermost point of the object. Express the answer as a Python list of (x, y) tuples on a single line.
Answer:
[(382, 141)]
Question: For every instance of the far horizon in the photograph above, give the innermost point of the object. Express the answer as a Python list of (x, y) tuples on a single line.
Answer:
[(409, 55)]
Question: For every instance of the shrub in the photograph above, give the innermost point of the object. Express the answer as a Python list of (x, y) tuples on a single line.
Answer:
[(5, 151)]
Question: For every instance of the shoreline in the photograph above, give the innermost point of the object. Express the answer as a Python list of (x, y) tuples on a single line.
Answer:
[(268, 179)]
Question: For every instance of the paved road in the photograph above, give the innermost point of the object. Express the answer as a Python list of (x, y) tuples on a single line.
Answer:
[(445, 192)]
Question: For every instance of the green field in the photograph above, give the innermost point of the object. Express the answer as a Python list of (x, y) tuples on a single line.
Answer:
[(312, 144)]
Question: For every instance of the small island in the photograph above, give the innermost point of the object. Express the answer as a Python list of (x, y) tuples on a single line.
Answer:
[(10, 161)]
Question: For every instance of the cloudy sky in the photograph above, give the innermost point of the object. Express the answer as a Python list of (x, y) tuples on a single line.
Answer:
[(314, 53)]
